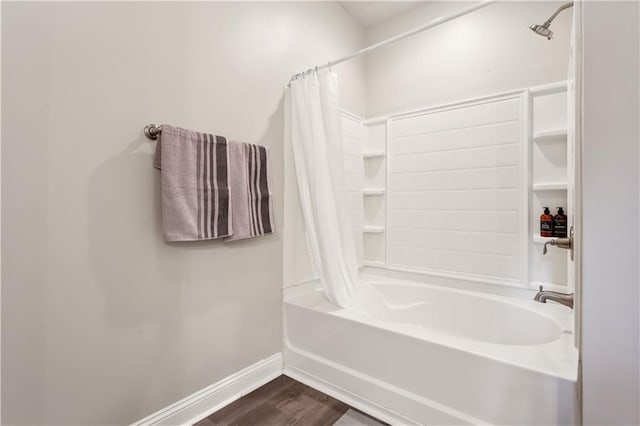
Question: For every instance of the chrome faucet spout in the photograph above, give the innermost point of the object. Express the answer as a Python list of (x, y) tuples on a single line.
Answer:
[(543, 295)]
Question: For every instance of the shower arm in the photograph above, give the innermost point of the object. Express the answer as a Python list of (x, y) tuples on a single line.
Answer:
[(556, 13)]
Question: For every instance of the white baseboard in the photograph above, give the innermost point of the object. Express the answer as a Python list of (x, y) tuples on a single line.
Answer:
[(216, 396), (377, 411)]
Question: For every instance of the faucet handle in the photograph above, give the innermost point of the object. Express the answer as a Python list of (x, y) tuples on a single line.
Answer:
[(540, 287)]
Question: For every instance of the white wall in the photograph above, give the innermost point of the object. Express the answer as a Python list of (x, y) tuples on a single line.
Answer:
[(488, 51), (610, 322), (103, 322)]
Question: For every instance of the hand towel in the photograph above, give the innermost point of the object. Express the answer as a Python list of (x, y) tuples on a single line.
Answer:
[(195, 185), (251, 201)]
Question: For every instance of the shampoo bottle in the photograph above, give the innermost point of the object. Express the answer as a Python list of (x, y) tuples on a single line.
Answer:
[(560, 224), (546, 223)]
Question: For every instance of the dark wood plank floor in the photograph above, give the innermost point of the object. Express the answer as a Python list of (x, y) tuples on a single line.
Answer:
[(283, 401)]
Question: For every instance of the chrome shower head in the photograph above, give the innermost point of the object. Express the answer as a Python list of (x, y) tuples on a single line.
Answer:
[(543, 29)]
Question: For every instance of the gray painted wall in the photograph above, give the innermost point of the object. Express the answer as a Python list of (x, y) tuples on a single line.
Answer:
[(611, 187), (103, 322)]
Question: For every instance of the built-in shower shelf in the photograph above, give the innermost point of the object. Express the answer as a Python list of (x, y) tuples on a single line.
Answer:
[(373, 229), (550, 135), (373, 154), (549, 186), (373, 191)]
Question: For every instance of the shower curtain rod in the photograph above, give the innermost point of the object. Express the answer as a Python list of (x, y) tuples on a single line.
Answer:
[(431, 24)]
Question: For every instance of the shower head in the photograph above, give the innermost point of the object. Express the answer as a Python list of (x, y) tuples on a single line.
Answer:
[(543, 29)]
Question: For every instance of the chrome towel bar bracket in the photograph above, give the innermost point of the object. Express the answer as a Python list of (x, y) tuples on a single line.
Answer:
[(152, 131)]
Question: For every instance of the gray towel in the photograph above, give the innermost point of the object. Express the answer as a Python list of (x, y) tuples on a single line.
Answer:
[(195, 185), (251, 193), (212, 187)]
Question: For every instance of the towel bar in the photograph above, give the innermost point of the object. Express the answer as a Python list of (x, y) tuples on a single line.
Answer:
[(152, 131)]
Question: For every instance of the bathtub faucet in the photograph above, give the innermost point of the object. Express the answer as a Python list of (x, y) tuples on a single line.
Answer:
[(565, 243), (566, 299)]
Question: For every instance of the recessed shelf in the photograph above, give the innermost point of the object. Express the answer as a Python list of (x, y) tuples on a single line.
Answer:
[(549, 135), (372, 191), (552, 186), (373, 229), (373, 154)]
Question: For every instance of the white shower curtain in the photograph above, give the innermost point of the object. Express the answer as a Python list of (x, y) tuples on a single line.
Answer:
[(313, 120)]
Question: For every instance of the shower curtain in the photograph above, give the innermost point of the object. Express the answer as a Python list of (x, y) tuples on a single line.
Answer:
[(313, 123)]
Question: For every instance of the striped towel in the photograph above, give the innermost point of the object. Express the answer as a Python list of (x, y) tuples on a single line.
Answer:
[(205, 182), (251, 202)]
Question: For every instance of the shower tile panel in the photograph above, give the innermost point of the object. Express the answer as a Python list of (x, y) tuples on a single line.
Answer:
[(455, 191), (473, 200), (352, 145), (352, 163), (354, 203), (353, 181), (458, 241), (465, 221), (487, 178), (458, 262), (458, 118), (477, 136), (352, 128), (461, 159)]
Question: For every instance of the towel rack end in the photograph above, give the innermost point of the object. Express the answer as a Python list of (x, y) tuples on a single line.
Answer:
[(152, 131)]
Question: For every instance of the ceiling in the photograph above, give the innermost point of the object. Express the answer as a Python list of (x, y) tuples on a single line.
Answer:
[(368, 13)]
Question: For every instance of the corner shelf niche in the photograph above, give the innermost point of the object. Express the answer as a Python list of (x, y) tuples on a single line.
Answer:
[(373, 229), (555, 186), (550, 135), (374, 192), (549, 183), (373, 154)]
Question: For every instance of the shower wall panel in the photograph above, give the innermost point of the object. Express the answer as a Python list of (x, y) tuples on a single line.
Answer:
[(456, 191)]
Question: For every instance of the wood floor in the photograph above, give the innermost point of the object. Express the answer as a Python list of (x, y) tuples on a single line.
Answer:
[(283, 401)]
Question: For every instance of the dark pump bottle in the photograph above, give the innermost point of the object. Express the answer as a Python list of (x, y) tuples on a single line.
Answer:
[(546, 223), (560, 224)]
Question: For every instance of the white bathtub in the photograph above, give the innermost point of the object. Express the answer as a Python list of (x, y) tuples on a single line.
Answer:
[(458, 357)]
